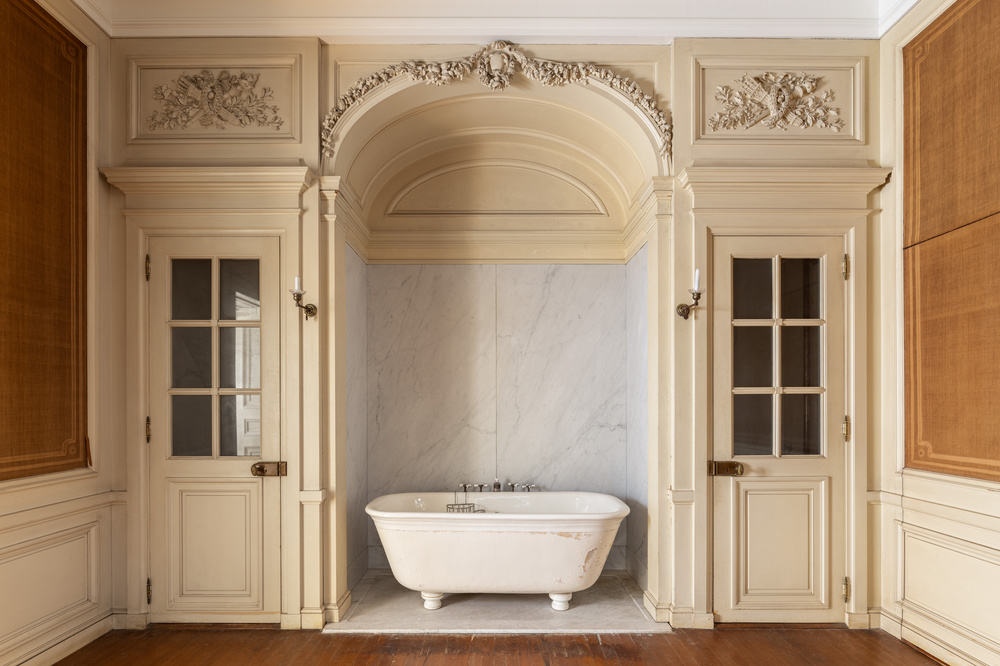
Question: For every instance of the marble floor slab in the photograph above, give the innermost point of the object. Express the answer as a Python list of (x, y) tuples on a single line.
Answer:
[(381, 605)]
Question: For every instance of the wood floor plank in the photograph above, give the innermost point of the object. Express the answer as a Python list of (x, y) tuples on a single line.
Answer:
[(255, 647)]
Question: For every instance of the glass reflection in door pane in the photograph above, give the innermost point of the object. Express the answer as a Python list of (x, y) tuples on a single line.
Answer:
[(752, 289), (239, 289), (239, 357), (800, 356), (191, 357), (801, 421), (191, 420), (800, 289), (753, 425), (752, 356), (191, 289), (239, 425)]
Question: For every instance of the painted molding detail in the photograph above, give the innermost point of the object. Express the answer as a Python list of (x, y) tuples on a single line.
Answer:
[(495, 64), (776, 101), (214, 101)]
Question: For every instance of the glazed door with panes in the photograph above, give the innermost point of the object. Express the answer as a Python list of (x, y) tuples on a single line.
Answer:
[(779, 382), (214, 396)]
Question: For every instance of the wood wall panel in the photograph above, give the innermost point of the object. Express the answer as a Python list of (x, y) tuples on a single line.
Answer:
[(951, 78), (43, 253), (952, 314)]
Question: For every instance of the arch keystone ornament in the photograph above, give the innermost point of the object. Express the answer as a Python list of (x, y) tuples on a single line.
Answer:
[(775, 101), (495, 65)]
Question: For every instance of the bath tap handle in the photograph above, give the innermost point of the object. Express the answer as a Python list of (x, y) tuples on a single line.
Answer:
[(527, 487), (465, 487), (480, 486), (512, 486)]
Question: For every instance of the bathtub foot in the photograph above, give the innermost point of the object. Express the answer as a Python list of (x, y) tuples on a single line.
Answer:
[(560, 601), (432, 601)]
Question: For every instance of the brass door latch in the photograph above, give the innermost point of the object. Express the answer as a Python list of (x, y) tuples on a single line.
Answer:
[(725, 468), (269, 469)]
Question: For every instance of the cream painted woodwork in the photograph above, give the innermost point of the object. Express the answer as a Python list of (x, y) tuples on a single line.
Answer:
[(214, 527), (779, 528)]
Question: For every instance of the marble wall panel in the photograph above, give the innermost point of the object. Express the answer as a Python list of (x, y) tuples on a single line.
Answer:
[(561, 377), (357, 414), (637, 420), (431, 377)]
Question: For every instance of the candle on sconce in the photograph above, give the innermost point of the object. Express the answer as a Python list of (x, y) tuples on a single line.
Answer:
[(697, 280), (298, 283)]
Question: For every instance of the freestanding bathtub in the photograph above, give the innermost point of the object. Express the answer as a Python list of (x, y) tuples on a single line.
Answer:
[(524, 543)]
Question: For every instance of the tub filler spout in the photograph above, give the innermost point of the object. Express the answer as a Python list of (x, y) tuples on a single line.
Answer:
[(520, 542)]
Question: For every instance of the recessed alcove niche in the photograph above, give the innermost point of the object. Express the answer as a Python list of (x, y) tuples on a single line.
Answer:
[(493, 255)]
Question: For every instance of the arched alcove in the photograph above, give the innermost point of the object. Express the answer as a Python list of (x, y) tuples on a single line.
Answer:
[(424, 175)]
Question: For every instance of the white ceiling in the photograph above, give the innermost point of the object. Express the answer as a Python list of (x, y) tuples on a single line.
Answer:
[(477, 21)]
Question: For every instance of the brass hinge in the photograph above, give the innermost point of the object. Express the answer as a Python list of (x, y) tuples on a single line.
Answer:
[(847, 428), (847, 266), (147, 268), (149, 430), (149, 591), (724, 468), (847, 589)]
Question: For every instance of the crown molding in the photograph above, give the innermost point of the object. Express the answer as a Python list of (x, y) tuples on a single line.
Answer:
[(522, 30)]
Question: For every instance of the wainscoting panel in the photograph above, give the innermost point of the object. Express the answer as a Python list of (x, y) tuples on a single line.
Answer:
[(55, 574)]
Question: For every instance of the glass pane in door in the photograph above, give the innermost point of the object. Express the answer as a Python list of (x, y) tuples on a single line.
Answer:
[(800, 356), (753, 425), (800, 288), (191, 289), (239, 357), (191, 418), (801, 421), (191, 357), (239, 289), (752, 289), (753, 364), (239, 425)]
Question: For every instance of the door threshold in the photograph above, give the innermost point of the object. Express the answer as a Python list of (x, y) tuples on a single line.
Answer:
[(780, 625)]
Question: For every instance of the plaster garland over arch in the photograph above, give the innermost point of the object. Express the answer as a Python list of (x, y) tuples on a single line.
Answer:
[(495, 65)]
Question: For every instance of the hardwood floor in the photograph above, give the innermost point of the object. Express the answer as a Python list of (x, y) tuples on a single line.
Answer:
[(723, 647)]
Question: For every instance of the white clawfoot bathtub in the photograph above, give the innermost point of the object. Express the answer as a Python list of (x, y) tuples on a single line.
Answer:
[(524, 543)]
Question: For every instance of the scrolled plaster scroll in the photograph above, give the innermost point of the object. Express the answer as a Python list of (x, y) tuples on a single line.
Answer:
[(212, 100), (775, 100), (495, 64)]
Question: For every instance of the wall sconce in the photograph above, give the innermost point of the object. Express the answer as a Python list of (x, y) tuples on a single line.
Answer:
[(297, 295), (684, 310)]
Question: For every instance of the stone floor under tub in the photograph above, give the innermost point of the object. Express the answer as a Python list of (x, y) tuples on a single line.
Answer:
[(381, 605)]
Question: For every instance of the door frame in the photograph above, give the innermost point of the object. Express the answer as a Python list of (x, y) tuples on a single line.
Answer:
[(854, 540), (756, 200), (218, 203)]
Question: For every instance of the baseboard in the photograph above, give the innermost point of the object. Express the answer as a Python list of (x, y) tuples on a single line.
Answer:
[(134, 622), (858, 620), (687, 618), (71, 644), (291, 622), (335, 612), (659, 613)]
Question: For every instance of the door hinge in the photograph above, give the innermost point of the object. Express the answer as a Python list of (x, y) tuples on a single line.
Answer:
[(149, 591), (847, 266), (847, 428), (149, 430), (724, 468), (847, 589), (147, 268)]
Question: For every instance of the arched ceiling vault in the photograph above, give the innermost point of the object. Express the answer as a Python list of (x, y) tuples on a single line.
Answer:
[(529, 158)]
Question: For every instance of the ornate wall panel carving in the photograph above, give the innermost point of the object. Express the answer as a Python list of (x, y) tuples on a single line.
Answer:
[(817, 100), (495, 65), (214, 99), (43, 244)]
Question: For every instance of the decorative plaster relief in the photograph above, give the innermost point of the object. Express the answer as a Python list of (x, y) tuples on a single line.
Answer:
[(495, 64), (210, 100), (776, 101), (214, 98), (779, 100)]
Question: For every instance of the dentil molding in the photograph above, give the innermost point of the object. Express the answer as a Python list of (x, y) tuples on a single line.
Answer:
[(495, 64)]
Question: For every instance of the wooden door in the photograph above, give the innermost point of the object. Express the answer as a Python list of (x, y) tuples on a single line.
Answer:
[(779, 397), (214, 412)]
